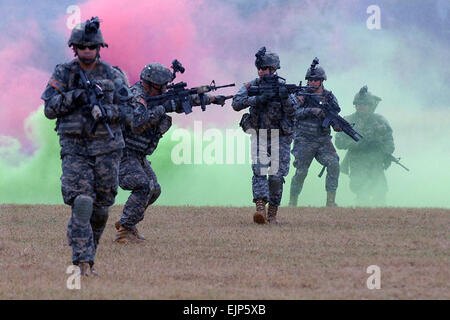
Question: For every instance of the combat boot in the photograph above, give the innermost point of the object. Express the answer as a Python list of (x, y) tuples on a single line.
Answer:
[(331, 197), (125, 235), (260, 215), (138, 235), (84, 268), (272, 214)]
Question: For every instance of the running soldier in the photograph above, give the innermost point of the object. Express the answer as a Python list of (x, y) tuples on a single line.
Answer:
[(270, 124), (142, 132), (312, 140), (85, 96), (366, 160)]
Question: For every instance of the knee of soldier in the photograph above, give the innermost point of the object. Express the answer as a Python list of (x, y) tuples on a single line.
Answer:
[(333, 166), (82, 208), (276, 182), (156, 193), (99, 217)]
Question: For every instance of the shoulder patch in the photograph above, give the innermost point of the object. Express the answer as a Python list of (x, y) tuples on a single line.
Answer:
[(55, 84), (142, 101)]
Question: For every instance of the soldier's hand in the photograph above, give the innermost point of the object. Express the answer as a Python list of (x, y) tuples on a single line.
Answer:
[(318, 112), (218, 100), (264, 98), (80, 97), (169, 106), (96, 113), (337, 128), (283, 93)]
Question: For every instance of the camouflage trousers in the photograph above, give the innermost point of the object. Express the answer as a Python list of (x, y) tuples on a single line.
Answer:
[(270, 164), (304, 151), (136, 174), (368, 184), (97, 178)]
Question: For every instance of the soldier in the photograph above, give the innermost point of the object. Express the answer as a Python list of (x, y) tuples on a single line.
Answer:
[(90, 156), (367, 159), (270, 123), (142, 133), (312, 140)]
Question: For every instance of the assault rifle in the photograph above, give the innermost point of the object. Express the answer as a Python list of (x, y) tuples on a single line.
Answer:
[(95, 94), (332, 117), (390, 157), (179, 93), (272, 86)]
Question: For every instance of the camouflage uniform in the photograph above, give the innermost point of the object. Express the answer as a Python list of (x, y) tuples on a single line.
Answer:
[(271, 129), (366, 160), (90, 162), (312, 140), (142, 134)]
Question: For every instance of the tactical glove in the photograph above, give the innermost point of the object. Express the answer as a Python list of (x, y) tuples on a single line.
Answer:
[(219, 100), (79, 97), (264, 98), (96, 113), (283, 93)]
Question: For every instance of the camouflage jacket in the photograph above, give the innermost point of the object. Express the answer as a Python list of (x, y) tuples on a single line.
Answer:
[(147, 121), (378, 141), (274, 115), (307, 125), (73, 124)]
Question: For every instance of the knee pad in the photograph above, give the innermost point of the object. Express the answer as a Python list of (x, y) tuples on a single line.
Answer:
[(275, 183), (155, 195), (99, 217), (82, 208)]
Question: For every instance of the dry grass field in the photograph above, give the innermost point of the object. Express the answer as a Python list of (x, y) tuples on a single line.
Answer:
[(219, 253)]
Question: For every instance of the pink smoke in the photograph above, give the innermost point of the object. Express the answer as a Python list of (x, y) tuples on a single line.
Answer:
[(22, 85)]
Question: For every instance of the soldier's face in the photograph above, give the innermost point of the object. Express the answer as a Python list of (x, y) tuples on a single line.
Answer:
[(315, 83), (87, 52), (155, 89), (265, 71), (362, 108)]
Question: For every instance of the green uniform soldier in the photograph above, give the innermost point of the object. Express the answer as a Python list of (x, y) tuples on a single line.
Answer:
[(367, 159)]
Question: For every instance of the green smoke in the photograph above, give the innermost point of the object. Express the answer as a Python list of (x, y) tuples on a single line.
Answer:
[(35, 179)]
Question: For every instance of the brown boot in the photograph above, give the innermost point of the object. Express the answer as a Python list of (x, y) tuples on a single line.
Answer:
[(260, 215), (331, 197), (138, 235), (272, 214), (125, 235), (84, 268)]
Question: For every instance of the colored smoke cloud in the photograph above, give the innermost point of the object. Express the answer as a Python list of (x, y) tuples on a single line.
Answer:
[(403, 63)]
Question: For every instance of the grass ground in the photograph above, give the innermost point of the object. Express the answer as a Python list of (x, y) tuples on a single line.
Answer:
[(219, 253)]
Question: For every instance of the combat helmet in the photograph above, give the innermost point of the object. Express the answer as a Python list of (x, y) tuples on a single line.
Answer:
[(315, 72), (156, 73), (267, 59), (364, 97), (87, 34)]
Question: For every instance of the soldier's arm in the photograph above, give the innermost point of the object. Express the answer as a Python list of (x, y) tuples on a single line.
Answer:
[(241, 100), (57, 101), (343, 141), (387, 139), (145, 116), (121, 108)]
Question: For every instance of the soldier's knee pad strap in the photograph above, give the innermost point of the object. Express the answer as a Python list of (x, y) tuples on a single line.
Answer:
[(82, 208)]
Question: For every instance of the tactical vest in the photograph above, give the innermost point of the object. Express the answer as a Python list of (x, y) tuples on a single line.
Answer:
[(146, 142), (80, 122), (271, 116), (311, 125)]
